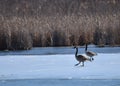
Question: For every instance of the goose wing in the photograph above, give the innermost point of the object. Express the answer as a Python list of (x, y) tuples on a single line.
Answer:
[(82, 58), (90, 53)]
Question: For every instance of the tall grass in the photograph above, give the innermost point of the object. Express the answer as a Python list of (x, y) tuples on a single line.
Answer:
[(44, 23)]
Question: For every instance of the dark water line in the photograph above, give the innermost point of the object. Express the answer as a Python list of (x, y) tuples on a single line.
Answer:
[(57, 82), (60, 50)]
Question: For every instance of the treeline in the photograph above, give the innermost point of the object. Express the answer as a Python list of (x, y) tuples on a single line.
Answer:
[(39, 23)]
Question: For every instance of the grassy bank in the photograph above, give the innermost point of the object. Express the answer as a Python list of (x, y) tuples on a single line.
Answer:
[(30, 23)]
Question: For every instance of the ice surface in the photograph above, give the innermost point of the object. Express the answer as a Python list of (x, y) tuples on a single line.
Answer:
[(104, 66)]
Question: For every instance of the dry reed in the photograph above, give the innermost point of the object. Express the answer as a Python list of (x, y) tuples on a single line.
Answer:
[(44, 23)]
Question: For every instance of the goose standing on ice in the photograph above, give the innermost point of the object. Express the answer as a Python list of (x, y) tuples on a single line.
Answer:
[(90, 53), (80, 58)]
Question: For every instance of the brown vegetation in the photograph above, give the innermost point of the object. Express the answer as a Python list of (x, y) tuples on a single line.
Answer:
[(27, 23)]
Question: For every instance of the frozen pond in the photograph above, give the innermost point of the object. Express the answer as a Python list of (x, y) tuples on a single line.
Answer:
[(105, 66), (45, 68)]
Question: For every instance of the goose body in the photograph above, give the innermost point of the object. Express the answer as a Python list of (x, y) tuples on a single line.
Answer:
[(90, 53), (80, 58)]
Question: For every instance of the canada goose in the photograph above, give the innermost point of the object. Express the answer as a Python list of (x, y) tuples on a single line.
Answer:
[(90, 53), (80, 58)]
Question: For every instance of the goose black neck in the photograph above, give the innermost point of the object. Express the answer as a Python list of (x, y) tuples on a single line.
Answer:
[(76, 52), (85, 47)]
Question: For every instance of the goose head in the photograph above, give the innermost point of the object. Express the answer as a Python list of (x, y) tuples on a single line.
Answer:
[(75, 47)]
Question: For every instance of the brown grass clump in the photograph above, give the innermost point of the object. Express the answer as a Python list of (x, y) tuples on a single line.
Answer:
[(13, 37), (41, 23)]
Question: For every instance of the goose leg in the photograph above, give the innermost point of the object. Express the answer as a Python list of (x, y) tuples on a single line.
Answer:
[(82, 64), (77, 64)]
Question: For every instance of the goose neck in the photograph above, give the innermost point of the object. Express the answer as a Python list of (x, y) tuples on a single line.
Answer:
[(76, 52), (86, 47)]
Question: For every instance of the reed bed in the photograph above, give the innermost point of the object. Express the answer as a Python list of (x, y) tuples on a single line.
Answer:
[(63, 28)]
